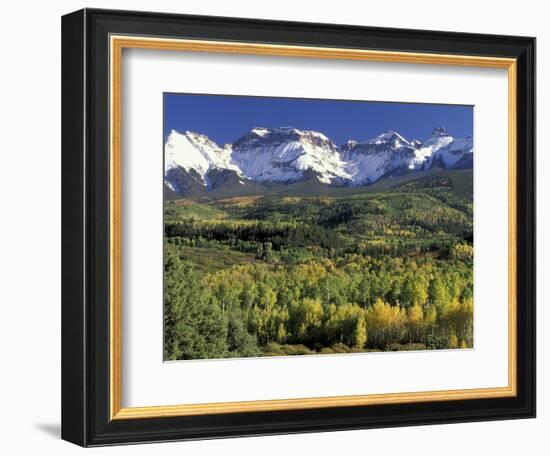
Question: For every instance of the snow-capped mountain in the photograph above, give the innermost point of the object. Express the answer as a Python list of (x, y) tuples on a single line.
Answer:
[(386, 154), (189, 159), (193, 151), (193, 162), (284, 154), (458, 153)]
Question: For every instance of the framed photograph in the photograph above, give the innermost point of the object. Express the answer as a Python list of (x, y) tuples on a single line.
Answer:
[(278, 227)]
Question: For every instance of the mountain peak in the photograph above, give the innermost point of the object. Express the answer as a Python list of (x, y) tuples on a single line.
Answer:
[(350, 144), (389, 137), (260, 131), (440, 131), (195, 153), (286, 154), (270, 136), (203, 141)]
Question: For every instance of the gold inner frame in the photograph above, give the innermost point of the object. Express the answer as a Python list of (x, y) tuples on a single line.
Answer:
[(117, 44)]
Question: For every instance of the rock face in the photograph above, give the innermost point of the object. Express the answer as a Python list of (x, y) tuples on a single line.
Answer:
[(194, 164)]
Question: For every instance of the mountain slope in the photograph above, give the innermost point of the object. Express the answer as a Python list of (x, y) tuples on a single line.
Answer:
[(386, 154), (285, 154), (191, 157), (196, 165)]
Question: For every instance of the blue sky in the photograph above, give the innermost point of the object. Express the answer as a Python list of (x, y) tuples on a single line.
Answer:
[(225, 118)]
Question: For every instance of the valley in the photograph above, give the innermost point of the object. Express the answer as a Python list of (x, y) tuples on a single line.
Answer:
[(305, 267)]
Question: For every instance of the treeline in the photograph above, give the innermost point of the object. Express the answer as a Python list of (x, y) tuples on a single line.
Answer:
[(359, 302), (394, 225), (292, 254), (283, 240), (278, 235), (419, 213)]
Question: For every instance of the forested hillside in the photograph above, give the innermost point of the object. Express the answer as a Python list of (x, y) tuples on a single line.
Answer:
[(378, 268)]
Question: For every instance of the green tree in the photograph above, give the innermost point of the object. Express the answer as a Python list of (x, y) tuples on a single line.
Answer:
[(194, 327), (306, 317), (360, 332), (438, 295), (239, 342), (415, 323)]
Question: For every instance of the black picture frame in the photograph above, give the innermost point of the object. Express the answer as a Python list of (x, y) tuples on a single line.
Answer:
[(85, 228)]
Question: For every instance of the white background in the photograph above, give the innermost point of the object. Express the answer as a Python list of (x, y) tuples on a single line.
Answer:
[(147, 74), (30, 229)]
